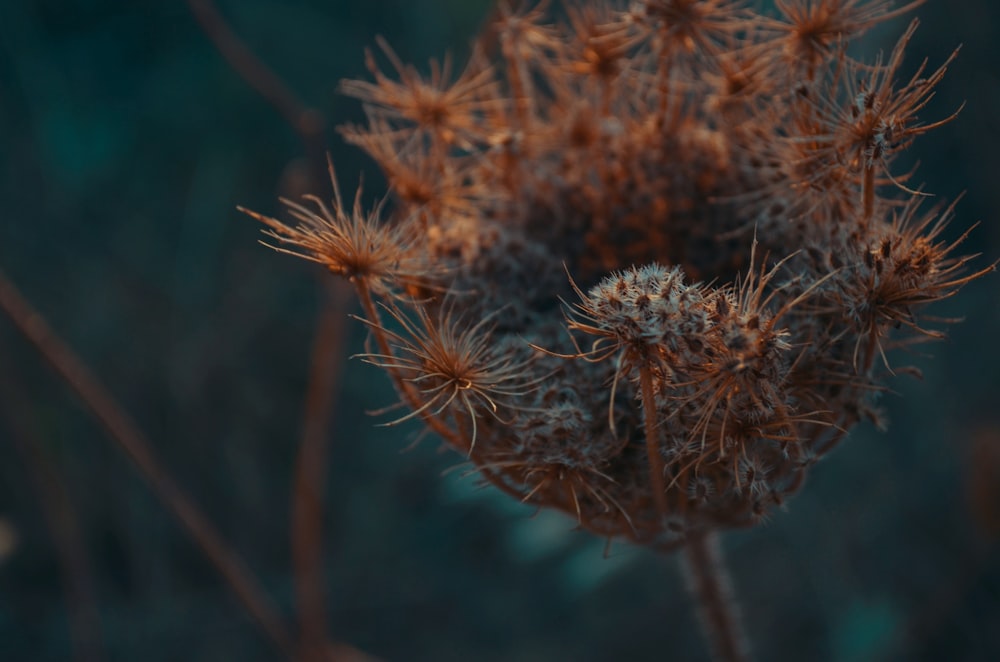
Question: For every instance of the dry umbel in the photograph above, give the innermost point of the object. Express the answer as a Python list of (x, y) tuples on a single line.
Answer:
[(664, 255)]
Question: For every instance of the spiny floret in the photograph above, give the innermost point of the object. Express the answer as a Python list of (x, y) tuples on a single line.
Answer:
[(740, 379), (865, 119), (811, 31), (449, 362), (451, 110), (353, 243), (645, 318), (602, 43), (706, 27), (899, 271), (424, 183), (641, 310)]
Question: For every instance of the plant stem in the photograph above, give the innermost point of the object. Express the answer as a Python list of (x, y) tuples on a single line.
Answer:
[(709, 584), (326, 365), (868, 193), (307, 122), (60, 513), (653, 441), (130, 439)]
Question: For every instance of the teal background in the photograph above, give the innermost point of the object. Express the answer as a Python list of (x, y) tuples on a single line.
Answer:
[(126, 143)]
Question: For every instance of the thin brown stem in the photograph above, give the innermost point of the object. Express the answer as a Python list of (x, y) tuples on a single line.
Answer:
[(326, 365), (868, 193), (710, 586), (60, 515), (307, 122), (130, 439), (653, 440), (257, 74)]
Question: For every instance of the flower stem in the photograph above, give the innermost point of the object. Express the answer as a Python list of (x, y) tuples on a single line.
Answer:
[(125, 432), (709, 584), (868, 193), (653, 441), (307, 516)]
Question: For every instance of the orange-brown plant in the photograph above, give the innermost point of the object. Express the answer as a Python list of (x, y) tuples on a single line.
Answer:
[(661, 247)]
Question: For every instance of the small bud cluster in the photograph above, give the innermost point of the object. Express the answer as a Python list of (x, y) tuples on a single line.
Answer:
[(646, 265), (644, 310)]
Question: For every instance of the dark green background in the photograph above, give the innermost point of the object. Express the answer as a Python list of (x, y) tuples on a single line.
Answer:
[(126, 143)]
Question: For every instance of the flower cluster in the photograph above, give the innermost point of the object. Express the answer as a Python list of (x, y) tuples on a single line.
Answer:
[(645, 264)]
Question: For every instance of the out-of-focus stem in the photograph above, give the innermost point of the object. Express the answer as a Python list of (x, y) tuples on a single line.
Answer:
[(868, 193), (709, 584), (653, 441), (326, 363), (307, 122), (124, 431), (60, 513)]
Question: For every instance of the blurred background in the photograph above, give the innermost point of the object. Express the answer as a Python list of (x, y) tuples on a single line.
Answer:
[(126, 143)]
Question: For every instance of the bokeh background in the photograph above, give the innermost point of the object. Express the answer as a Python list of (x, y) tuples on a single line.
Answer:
[(126, 143)]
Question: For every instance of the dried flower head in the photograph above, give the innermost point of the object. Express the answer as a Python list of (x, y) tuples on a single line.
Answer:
[(453, 369), (878, 119), (351, 243), (449, 110), (811, 31), (668, 248)]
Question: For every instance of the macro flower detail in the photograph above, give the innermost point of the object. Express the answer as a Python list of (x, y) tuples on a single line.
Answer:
[(591, 238), (351, 242), (665, 260), (810, 31), (450, 368)]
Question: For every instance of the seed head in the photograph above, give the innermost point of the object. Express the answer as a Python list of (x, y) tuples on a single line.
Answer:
[(642, 311), (716, 182), (453, 366), (354, 244)]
